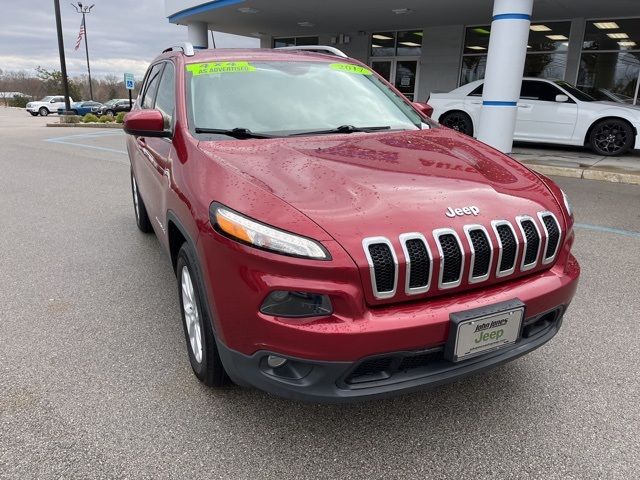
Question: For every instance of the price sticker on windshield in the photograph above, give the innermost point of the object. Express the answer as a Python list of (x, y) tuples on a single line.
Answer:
[(219, 67), (350, 68)]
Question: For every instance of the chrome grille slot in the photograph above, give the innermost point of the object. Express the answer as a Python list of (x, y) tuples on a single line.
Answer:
[(383, 266), (508, 247), (552, 233), (481, 252), (451, 258), (532, 242), (419, 263)]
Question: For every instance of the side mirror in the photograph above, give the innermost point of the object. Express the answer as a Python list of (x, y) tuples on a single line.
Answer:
[(562, 98), (145, 123), (423, 108)]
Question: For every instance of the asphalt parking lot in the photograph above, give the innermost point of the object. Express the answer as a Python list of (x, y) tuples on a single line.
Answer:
[(95, 381)]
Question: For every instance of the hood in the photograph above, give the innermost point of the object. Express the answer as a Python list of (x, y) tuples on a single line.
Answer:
[(384, 184), (634, 108)]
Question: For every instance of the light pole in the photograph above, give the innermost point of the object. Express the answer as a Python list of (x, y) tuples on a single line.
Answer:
[(63, 63), (84, 9)]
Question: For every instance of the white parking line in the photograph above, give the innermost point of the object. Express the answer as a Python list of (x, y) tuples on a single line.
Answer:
[(65, 140)]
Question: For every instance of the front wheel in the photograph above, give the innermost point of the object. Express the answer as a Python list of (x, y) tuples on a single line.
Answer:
[(458, 121), (109, 113), (611, 137), (43, 111), (198, 331)]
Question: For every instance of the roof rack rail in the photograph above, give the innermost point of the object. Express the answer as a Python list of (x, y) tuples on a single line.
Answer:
[(186, 48), (317, 48)]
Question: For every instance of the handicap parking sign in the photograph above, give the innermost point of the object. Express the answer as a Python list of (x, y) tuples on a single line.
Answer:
[(129, 81)]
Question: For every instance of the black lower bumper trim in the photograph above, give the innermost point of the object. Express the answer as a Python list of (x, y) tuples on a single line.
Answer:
[(328, 382)]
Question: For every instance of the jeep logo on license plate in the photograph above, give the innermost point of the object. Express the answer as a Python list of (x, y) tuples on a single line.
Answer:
[(459, 212)]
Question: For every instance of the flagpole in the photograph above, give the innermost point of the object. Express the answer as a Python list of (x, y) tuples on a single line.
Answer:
[(86, 49), (84, 10)]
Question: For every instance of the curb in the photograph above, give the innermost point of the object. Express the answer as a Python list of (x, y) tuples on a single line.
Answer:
[(587, 173), (87, 125)]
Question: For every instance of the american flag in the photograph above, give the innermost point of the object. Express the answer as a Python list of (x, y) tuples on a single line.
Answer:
[(80, 34)]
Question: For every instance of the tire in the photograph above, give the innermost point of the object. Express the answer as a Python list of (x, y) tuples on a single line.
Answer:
[(198, 331), (34, 114), (109, 113), (140, 211), (458, 121), (43, 111), (611, 136)]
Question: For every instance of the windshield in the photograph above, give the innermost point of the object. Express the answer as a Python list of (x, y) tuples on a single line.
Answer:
[(282, 98), (579, 94), (111, 102)]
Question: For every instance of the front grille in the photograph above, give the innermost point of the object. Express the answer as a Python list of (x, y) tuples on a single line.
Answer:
[(420, 263), (383, 265), (540, 241), (532, 238), (451, 258), (553, 235), (481, 253)]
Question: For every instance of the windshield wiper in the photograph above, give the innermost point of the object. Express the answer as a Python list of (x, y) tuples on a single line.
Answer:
[(342, 129), (240, 133)]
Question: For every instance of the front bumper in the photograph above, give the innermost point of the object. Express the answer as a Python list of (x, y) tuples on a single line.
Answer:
[(32, 109), (379, 376)]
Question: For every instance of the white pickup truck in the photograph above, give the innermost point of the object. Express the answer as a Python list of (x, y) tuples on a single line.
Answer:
[(47, 105)]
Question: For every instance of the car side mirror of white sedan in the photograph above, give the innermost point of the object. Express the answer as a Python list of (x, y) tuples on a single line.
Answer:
[(562, 98)]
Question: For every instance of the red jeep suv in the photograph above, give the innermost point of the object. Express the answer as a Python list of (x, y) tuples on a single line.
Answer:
[(330, 241)]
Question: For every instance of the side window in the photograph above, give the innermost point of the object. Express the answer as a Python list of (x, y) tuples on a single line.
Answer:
[(57, 99), (532, 90), (477, 92), (151, 87), (165, 98)]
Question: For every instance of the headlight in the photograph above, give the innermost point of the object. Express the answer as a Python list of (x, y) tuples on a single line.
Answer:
[(262, 236), (567, 203)]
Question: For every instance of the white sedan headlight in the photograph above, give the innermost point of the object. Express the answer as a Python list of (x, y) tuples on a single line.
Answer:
[(262, 236)]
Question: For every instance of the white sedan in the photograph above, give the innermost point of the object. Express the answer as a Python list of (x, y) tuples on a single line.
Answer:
[(548, 112)]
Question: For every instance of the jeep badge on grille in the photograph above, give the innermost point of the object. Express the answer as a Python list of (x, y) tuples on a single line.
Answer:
[(459, 212)]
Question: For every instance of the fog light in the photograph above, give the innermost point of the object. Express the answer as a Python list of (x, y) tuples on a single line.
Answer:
[(275, 361), (281, 303)]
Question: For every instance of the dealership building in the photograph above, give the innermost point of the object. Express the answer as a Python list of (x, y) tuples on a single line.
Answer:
[(437, 45)]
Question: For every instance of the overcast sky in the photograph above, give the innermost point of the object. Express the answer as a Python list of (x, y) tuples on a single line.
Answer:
[(124, 36)]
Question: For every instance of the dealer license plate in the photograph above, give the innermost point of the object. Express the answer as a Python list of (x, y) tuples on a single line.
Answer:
[(487, 333)]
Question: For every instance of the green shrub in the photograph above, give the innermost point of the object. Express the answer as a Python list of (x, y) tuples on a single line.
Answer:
[(106, 119), (89, 118), (120, 117), (18, 101)]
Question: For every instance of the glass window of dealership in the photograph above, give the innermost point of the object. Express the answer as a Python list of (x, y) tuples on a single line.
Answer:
[(609, 66)]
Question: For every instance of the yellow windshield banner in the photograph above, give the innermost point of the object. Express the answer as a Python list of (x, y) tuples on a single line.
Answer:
[(219, 67), (350, 68)]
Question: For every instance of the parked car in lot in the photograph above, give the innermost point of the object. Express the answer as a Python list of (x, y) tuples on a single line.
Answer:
[(330, 241), (114, 106), (82, 108), (47, 105), (548, 112)]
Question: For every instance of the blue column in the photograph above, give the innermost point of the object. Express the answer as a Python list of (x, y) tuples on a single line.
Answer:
[(503, 76)]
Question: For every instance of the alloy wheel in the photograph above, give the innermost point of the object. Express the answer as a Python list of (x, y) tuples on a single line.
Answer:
[(610, 137), (191, 314)]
